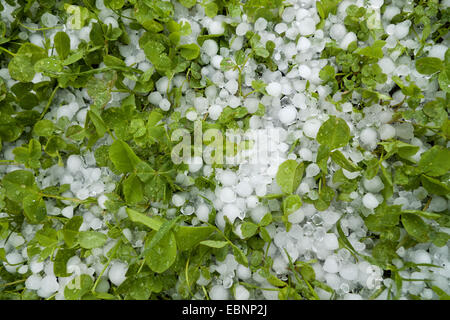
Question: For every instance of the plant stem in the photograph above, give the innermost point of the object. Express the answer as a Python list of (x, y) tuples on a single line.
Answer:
[(12, 283), (49, 102), (107, 264), (7, 51)]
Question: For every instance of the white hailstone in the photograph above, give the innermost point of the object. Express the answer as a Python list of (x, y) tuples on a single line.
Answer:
[(74, 163), (103, 285), (215, 27), (101, 201), (331, 265), (374, 185), (258, 213), (216, 60), (287, 114), (252, 202), (242, 28), (386, 65), (214, 111), (330, 241), (210, 47), (438, 51), (228, 178), (438, 204), (14, 258), (67, 212), (307, 27), (348, 38), (117, 272), (370, 201), (162, 85), (218, 292), (305, 154), (227, 195), (202, 212), (231, 211), (237, 43), (16, 240), (49, 20), (274, 89), (402, 29), (390, 12), (404, 131), (386, 132), (155, 98), (311, 128), (421, 256), (289, 14), (304, 71), (164, 104), (111, 21), (296, 217), (312, 170), (241, 293), (191, 115), (260, 24), (36, 266), (49, 285), (280, 28), (303, 44), (349, 271), (369, 138), (195, 164), (244, 189), (178, 200), (232, 86), (251, 104), (376, 4), (337, 31), (243, 272), (33, 282)]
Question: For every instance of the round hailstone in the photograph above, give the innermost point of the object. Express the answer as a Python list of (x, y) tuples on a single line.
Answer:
[(307, 27), (202, 212), (311, 127), (195, 164), (260, 24), (280, 28), (241, 293), (337, 31), (312, 170), (349, 271), (258, 213), (386, 65), (191, 115), (49, 285), (438, 204), (369, 137), (330, 241), (242, 29), (228, 178), (227, 195), (274, 89), (164, 104), (117, 273), (232, 86), (303, 44), (421, 256), (402, 29), (374, 185), (210, 47), (216, 27), (178, 200), (296, 217), (251, 104), (67, 212), (348, 38), (304, 71), (155, 98), (438, 51), (14, 258), (376, 4), (214, 111), (305, 154), (331, 265), (370, 201), (244, 189), (242, 272), (231, 211), (74, 163), (218, 292), (33, 282), (287, 114), (101, 201), (386, 132)]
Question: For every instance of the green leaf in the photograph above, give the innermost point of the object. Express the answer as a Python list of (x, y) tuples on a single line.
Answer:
[(214, 243), (21, 66), (133, 189), (429, 65), (123, 157), (415, 227), (48, 65), (34, 208), (189, 51), (188, 3), (327, 73), (99, 91), (99, 124), (434, 186), (435, 161), (160, 254), (289, 175), (334, 133), (403, 149), (291, 204), (44, 128), (152, 223), (60, 262), (92, 239), (425, 214), (189, 237), (19, 184), (211, 9), (248, 229), (444, 79), (343, 162), (70, 230), (78, 287)]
